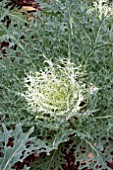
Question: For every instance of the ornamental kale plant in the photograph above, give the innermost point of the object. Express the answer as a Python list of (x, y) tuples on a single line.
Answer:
[(67, 97)]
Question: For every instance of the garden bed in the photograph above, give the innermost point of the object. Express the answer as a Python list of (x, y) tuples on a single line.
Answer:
[(56, 97)]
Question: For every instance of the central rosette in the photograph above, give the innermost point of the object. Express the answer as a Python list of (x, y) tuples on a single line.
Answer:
[(56, 89)]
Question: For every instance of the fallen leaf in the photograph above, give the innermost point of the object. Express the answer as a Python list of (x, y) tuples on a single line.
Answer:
[(90, 155), (28, 8)]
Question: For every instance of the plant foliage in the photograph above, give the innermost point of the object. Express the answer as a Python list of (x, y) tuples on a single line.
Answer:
[(13, 152), (32, 91)]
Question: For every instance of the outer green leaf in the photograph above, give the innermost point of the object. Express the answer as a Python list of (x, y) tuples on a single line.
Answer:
[(11, 155), (54, 160)]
